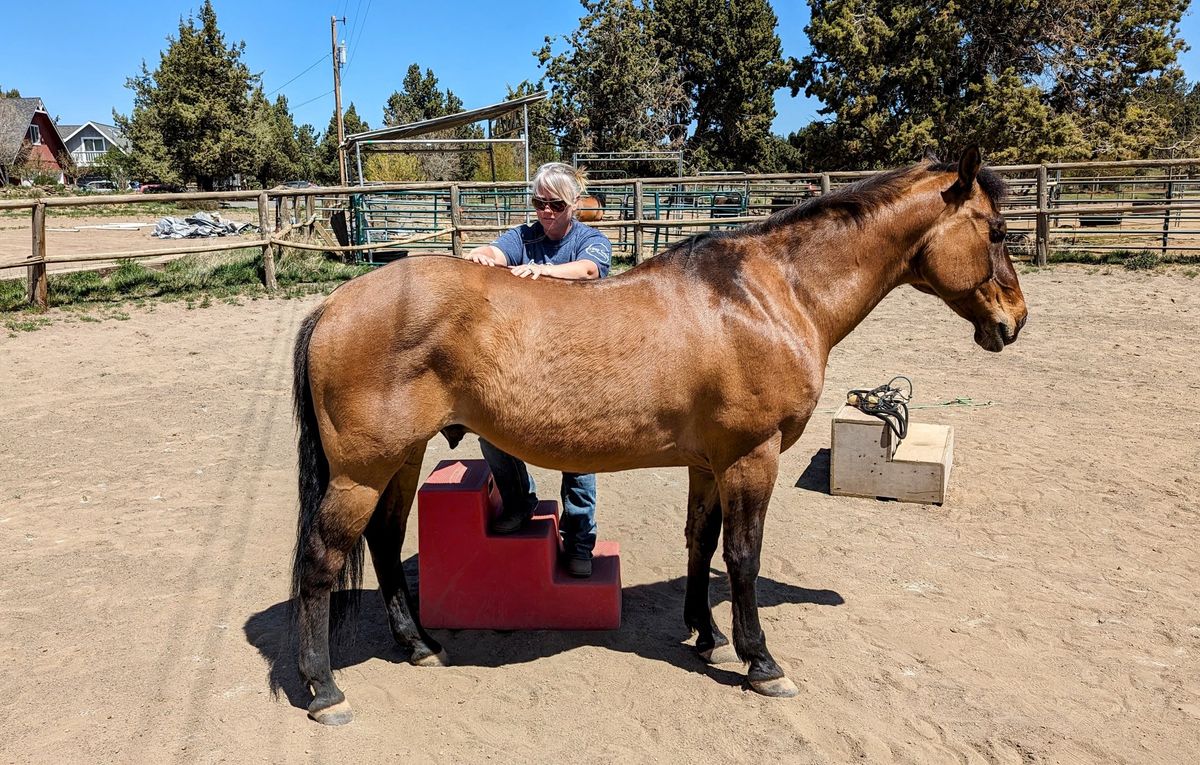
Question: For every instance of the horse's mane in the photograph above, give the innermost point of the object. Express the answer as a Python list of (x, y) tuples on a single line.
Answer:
[(855, 202)]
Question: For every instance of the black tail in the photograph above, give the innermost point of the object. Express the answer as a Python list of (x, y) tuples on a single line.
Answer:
[(314, 479)]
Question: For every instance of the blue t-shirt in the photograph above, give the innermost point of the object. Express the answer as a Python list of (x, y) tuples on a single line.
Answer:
[(528, 243)]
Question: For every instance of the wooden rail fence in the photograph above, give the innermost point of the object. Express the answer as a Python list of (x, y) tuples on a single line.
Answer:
[(296, 211)]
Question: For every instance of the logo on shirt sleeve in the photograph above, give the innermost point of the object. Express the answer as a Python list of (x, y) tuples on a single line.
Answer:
[(598, 251)]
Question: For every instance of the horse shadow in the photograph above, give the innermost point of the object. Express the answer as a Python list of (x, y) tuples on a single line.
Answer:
[(651, 627), (816, 476)]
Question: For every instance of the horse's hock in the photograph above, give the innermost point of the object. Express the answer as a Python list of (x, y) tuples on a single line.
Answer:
[(868, 460)]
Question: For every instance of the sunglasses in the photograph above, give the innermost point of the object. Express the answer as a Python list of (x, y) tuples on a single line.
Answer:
[(557, 205)]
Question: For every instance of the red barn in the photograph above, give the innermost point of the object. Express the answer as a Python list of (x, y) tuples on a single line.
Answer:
[(30, 146)]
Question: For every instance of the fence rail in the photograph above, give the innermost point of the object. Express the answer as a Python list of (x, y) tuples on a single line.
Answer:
[(1071, 207)]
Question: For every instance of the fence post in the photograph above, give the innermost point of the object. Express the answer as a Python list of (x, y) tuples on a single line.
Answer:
[(1166, 236), (38, 288), (824, 184), (310, 219), (268, 248), (1042, 235), (456, 238), (638, 234)]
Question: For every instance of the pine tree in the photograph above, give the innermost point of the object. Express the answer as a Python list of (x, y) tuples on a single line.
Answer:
[(277, 150), (421, 99), (616, 87), (732, 63), (1026, 79), (191, 116), (327, 155)]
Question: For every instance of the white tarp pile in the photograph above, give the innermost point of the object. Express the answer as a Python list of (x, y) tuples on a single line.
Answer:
[(199, 225)]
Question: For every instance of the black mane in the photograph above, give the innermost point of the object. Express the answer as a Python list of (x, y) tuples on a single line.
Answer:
[(855, 202)]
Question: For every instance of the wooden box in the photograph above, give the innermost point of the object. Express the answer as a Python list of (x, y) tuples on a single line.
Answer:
[(866, 461)]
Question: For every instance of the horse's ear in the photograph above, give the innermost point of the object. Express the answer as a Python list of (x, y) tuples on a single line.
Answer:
[(968, 168)]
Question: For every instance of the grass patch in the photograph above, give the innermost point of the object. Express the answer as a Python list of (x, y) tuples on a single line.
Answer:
[(1131, 259), (1141, 261), (198, 279), (26, 323)]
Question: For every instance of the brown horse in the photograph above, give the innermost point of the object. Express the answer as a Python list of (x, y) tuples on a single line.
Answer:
[(589, 209), (719, 343)]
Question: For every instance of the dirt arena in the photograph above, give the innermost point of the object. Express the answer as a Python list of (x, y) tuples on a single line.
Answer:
[(1047, 613), (88, 235)]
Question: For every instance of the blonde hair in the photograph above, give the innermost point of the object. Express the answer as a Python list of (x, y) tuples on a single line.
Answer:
[(562, 180)]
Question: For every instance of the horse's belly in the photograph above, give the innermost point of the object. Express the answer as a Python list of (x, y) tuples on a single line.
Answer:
[(586, 445)]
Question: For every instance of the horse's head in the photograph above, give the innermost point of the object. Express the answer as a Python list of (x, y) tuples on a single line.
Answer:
[(962, 258)]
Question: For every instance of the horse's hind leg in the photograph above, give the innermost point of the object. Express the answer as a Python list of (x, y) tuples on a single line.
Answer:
[(337, 528), (385, 537), (745, 493), (703, 528)]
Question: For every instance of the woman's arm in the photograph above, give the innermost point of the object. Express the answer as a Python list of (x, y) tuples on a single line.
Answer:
[(577, 270)]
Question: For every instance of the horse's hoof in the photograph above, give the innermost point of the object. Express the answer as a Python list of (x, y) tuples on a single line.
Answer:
[(779, 688), (721, 654), (336, 714), (439, 659)]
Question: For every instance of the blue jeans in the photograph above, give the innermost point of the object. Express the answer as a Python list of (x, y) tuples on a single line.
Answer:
[(519, 494)]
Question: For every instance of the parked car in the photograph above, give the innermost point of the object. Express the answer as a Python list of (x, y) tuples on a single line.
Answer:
[(162, 188), (102, 187), (299, 185)]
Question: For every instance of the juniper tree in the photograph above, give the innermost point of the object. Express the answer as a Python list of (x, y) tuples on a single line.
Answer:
[(191, 117)]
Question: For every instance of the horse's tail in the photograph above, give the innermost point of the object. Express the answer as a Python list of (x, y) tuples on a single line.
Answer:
[(314, 480)]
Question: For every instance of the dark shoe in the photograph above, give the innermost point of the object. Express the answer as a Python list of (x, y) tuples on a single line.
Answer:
[(508, 523), (580, 568)]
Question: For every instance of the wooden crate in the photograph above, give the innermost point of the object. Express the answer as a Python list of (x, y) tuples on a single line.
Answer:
[(866, 461)]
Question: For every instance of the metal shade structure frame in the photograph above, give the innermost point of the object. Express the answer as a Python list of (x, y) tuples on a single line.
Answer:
[(405, 137), (630, 156)]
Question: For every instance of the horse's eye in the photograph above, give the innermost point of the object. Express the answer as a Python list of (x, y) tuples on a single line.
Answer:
[(997, 231)]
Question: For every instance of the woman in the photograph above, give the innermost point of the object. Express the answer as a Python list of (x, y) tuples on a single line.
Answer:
[(555, 245)]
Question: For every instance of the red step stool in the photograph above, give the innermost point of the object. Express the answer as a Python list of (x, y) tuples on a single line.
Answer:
[(473, 579)]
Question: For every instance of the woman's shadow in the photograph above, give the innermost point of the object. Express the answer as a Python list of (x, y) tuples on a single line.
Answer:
[(651, 627)]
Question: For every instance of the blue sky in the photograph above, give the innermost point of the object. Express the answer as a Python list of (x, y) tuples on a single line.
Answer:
[(79, 64)]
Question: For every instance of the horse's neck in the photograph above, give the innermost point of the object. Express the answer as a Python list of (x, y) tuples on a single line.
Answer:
[(845, 270)]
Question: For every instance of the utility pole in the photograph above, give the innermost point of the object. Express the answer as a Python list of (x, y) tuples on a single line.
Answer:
[(337, 97)]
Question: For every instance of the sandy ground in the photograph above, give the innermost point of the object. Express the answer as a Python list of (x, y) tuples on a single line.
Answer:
[(1046, 613), (99, 234)]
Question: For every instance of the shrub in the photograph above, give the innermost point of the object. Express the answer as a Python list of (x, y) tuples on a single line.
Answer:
[(1141, 261)]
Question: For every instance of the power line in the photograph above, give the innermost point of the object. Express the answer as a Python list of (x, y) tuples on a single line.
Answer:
[(309, 101), (359, 39), (353, 27), (306, 71)]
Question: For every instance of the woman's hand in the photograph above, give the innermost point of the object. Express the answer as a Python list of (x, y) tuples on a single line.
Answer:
[(487, 255), (531, 270)]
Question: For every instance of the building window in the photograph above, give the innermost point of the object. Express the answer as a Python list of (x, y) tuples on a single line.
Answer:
[(35, 135), (93, 144)]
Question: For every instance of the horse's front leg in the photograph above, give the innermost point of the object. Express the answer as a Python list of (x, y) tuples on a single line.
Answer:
[(703, 529), (745, 488), (385, 538)]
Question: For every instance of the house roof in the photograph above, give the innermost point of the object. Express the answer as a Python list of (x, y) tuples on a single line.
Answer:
[(16, 114), (459, 119), (110, 132)]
